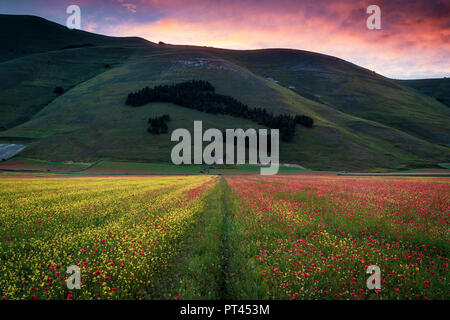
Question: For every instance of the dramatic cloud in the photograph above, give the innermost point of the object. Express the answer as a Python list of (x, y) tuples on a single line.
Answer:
[(414, 40)]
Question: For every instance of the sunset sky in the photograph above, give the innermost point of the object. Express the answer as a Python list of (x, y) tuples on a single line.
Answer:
[(414, 41)]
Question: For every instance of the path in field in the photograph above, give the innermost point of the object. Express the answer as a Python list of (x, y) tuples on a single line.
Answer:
[(201, 270)]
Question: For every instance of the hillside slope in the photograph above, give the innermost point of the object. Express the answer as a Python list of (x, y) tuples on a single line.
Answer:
[(91, 121), (37, 55), (436, 88), (23, 35), (28, 83), (350, 89)]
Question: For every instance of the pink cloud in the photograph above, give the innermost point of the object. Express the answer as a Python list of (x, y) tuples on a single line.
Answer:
[(91, 27), (130, 7)]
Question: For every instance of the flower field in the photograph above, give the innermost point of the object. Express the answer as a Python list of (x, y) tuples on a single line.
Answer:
[(314, 237), (242, 237), (122, 233)]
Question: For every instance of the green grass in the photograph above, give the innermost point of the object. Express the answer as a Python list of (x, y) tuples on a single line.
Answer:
[(105, 167), (248, 168), (200, 272), (108, 129), (26, 164), (445, 165), (436, 88), (350, 89), (123, 167)]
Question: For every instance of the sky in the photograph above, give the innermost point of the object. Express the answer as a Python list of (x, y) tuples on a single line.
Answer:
[(413, 42)]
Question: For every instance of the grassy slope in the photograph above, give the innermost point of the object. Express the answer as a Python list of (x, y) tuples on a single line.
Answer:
[(91, 121), (351, 89), (24, 35), (103, 127), (28, 82), (31, 66), (122, 167), (437, 88), (105, 167), (21, 163)]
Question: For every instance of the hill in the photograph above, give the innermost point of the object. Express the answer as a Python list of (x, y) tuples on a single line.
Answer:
[(37, 55), (351, 89), (362, 120), (24, 35), (436, 88)]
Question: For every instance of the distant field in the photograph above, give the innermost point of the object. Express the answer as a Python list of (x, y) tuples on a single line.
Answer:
[(123, 167), (25, 164), (128, 167), (253, 169), (437, 88), (410, 172), (102, 168)]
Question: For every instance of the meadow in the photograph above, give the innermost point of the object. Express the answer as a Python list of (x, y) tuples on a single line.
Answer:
[(235, 237)]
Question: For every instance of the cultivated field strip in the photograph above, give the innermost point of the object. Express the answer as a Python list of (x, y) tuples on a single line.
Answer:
[(122, 236), (314, 237)]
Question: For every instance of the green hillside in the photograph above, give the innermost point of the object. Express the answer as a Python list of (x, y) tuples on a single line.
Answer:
[(436, 88), (350, 89), (23, 35), (28, 83), (362, 120), (33, 62)]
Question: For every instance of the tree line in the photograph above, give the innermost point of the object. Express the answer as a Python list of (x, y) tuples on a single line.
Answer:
[(200, 95), (159, 124)]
